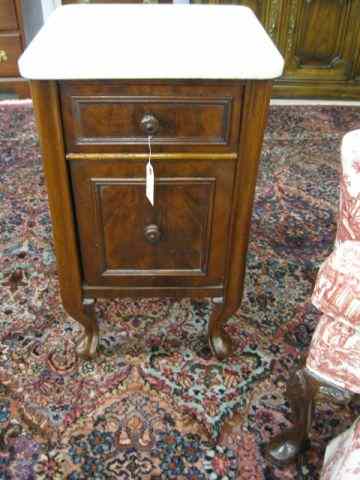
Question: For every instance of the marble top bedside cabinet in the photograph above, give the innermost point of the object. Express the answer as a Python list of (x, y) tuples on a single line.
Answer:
[(196, 79)]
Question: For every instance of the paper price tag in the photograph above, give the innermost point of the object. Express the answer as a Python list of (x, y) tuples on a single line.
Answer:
[(150, 183)]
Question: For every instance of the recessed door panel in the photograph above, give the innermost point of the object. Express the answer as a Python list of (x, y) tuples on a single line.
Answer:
[(182, 239)]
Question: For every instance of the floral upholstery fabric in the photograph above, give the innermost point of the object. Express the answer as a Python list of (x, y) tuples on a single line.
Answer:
[(337, 288), (334, 354), (336, 341), (349, 208), (342, 457)]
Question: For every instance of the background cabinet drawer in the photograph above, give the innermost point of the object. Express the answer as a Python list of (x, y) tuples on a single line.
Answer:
[(180, 241), (8, 20), (115, 114), (10, 50)]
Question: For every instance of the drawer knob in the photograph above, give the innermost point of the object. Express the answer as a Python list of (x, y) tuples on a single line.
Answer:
[(3, 56), (150, 124), (152, 233)]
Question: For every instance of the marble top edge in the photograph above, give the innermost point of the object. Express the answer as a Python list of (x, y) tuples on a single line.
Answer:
[(151, 42)]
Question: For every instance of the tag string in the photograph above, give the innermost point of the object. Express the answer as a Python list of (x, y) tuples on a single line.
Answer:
[(149, 145)]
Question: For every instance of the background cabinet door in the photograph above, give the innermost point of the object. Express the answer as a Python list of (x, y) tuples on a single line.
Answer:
[(319, 39)]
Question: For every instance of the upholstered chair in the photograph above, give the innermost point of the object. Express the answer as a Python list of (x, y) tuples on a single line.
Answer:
[(334, 354), (342, 456)]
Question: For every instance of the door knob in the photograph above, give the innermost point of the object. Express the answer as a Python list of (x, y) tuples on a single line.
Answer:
[(3, 56), (150, 124), (152, 233)]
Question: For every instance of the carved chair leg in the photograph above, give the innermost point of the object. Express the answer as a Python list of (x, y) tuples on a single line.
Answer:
[(219, 341), (301, 391), (88, 343)]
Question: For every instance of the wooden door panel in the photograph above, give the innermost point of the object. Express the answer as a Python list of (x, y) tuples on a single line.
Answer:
[(182, 216), (316, 47), (191, 217)]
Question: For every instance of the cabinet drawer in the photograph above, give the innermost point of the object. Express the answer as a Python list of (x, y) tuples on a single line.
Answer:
[(8, 20), (10, 50), (181, 241), (114, 115)]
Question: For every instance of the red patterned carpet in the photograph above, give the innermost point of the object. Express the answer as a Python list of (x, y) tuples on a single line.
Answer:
[(155, 404)]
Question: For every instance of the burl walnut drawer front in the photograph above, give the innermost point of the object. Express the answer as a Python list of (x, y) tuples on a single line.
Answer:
[(181, 241), (112, 115)]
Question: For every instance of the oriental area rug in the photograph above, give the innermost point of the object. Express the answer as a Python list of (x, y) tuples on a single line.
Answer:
[(154, 404)]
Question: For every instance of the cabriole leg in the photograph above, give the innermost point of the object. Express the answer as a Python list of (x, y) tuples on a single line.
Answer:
[(88, 343), (219, 341)]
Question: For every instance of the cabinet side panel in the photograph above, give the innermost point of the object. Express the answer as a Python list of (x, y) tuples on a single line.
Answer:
[(256, 102), (48, 116)]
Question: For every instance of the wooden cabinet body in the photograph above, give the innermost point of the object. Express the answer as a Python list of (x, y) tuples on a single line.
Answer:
[(320, 41), (201, 123), (11, 46), (109, 240)]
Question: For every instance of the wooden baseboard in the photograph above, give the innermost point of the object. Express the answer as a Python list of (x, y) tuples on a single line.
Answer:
[(15, 86), (316, 90)]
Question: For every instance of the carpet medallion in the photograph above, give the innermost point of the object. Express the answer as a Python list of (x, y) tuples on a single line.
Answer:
[(154, 404)]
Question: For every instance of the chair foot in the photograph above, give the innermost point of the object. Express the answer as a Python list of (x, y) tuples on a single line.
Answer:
[(300, 392), (285, 448)]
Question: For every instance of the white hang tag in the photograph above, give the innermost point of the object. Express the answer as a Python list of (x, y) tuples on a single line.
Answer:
[(150, 177), (150, 182)]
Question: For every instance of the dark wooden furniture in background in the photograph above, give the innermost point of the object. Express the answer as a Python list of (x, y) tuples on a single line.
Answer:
[(320, 41), (206, 142), (12, 43)]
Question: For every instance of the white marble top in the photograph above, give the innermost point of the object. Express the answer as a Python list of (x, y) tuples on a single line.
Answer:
[(151, 42)]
